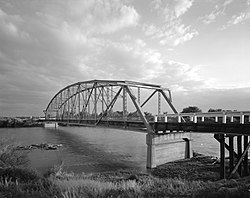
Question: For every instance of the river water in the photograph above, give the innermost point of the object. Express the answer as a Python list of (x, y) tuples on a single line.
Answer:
[(93, 149)]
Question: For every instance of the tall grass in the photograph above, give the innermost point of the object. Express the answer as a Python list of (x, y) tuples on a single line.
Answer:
[(145, 186), (10, 156)]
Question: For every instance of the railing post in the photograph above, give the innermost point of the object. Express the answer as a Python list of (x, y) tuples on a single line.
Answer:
[(179, 118), (224, 118), (241, 118), (195, 118), (156, 120)]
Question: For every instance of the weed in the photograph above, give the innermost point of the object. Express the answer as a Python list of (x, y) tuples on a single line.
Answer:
[(10, 156)]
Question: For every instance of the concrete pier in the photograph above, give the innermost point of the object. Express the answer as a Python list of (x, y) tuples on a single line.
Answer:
[(163, 148), (50, 125)]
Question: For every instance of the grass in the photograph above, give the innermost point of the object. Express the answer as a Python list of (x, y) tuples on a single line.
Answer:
[(10, 156), (136, 185)]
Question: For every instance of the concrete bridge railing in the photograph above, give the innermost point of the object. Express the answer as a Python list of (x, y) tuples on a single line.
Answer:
[(193, 117)]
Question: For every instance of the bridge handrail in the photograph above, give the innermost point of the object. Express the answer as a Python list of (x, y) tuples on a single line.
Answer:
[(216, 115)]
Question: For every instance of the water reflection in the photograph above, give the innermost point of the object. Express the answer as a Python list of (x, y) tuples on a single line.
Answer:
[(93, 149)]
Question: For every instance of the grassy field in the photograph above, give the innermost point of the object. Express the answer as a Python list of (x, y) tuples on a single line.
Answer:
[(196, 177)]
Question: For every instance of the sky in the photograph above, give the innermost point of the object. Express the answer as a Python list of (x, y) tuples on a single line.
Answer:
[(199, 49)]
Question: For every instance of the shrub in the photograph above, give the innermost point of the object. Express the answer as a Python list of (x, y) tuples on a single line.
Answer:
[(10, 156)]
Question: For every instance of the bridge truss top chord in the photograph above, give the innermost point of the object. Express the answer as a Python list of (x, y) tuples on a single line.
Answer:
[(96, 100)]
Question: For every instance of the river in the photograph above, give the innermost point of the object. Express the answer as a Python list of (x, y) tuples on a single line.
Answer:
[(93, 149)]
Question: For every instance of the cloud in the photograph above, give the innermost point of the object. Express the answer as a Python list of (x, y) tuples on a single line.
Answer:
[(11, 25), (177, 7), (92, 17), (172, 32), (238, 18), (218, 11), (182, 6), (178, 35), (48, 45)]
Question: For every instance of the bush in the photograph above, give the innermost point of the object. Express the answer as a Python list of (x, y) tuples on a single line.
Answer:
[(10, 156)]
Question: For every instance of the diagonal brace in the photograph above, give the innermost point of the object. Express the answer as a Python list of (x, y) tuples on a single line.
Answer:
[(109, 106), (240, 160), (226, 146), (133, 98)]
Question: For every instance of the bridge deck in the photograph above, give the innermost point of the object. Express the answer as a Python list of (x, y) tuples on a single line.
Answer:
[(165, 127)]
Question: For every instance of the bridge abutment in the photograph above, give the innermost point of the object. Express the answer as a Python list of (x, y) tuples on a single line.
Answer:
[(163, 148)]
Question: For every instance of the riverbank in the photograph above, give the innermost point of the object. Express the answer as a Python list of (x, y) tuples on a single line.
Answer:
[(196, 177), (9, 122)]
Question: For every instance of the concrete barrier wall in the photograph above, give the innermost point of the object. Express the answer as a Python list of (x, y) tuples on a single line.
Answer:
[(168, 147)]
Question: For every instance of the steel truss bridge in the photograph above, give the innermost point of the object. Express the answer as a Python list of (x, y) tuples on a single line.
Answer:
[(121, 104), (107, 101)]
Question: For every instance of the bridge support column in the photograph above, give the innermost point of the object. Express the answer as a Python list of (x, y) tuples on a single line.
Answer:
[(163, 148)]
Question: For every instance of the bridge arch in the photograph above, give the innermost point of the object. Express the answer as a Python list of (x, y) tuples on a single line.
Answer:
[(95, 100)]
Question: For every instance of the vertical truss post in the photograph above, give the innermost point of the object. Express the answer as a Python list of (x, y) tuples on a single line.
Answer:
[(61, 109), (159, 103), (95, 101), (102, 99), (139, 95), (79, 102), (124, 104), (108, 101), (108, 98), (88, 103), (68, 105)]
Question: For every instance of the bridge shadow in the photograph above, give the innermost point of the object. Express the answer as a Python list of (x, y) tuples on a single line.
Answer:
[(81, 153)]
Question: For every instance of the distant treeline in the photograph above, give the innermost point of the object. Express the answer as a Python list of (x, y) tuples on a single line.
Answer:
[(19, 122)]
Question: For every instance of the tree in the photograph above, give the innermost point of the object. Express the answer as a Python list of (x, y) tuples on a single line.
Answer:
[(214, 110), (148, 114), (191, 109)]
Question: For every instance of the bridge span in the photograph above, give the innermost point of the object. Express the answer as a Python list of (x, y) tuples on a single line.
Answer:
[(107, 103)]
